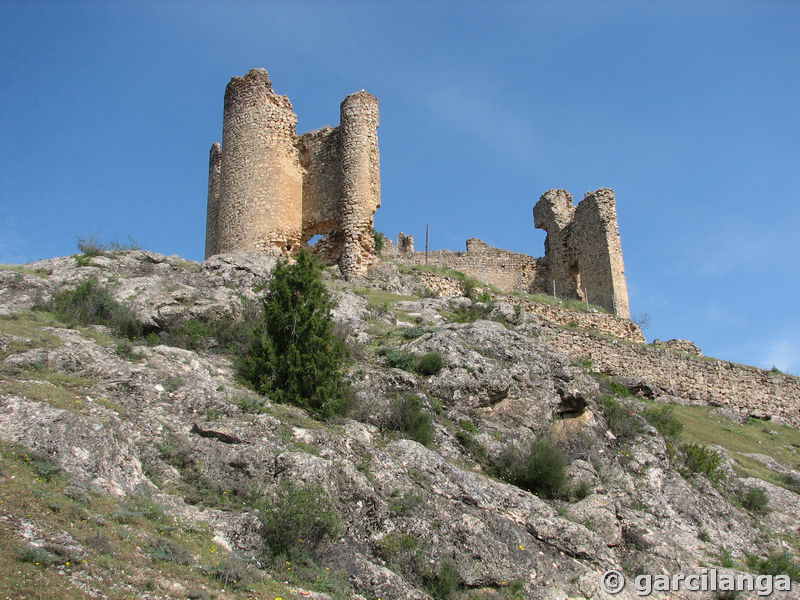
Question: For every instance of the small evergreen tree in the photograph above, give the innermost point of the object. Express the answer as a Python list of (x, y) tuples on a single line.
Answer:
[(295, 356)]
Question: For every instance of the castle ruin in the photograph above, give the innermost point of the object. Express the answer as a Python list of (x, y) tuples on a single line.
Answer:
[(272, 191), (583, 254)]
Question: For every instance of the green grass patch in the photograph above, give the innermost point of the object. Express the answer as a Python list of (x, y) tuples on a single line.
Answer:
[(702, 426), (124, 560), (775, 563), (381, 297), (59, 390), (573, 304), (26, 270), (28, 330), (663, 418)]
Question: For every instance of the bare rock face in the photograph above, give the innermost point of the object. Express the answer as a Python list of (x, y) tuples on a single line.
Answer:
[(175, 425)]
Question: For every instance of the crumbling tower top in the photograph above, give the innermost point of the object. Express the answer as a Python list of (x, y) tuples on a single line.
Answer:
[(583, 252)]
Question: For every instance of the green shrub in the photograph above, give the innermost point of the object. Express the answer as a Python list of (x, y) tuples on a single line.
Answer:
[(725, 558), (44, 468), (443, 583), (414, 332), (225, 334), (618, 389), (169, 551), (754, 499), (38, 556), (792, 482), (294, 355), (299, 519), (775, 563), (429, 363), (393, 544), (663, 418), (91, 304), (623, 422), (471, 445), (471, 313), (91, 247), (231, 572), (581, 490), (697, 458), (537, 467), (467, 426), (400, 359), (407, 415), (380, 240), (127, 350)]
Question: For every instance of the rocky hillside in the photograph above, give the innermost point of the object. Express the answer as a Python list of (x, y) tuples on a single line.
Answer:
[(138, 467)]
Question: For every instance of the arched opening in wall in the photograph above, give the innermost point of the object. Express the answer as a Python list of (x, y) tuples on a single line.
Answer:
[(323, 239)]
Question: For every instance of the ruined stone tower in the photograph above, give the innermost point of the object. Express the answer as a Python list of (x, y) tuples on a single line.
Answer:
[(583, 253), (272, 191)]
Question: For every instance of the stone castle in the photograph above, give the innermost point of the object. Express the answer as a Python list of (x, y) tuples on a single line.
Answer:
[(583, 254), (272, 191)]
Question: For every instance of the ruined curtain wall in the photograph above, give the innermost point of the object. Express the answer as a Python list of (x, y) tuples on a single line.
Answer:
[(509, 271), (745, 389)]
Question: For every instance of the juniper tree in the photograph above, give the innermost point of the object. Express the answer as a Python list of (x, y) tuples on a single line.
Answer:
[(295, 356)]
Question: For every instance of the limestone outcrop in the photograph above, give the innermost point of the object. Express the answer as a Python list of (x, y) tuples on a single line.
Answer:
[(172, 426)]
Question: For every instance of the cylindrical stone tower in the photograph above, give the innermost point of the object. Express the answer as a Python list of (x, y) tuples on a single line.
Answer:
[(212, 214), (260, 199), (361, 185)]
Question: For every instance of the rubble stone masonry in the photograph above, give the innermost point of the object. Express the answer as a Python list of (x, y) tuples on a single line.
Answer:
[(702, 380), (272, 191)]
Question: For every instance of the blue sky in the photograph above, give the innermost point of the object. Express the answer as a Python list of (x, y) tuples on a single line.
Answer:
[(688, 110)]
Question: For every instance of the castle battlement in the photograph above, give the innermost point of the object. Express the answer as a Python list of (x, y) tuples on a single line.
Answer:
[(271, 191)]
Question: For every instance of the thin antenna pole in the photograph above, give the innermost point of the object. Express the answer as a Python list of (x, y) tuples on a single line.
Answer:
[(427, 239)]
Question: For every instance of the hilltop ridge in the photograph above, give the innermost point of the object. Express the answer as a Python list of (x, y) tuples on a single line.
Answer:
[(142, 468)]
